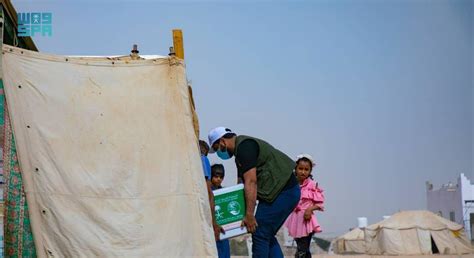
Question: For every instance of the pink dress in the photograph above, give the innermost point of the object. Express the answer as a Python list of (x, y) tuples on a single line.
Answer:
[(310, 195)]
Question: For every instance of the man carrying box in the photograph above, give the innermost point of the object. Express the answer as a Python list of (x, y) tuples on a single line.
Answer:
[(267, 174)]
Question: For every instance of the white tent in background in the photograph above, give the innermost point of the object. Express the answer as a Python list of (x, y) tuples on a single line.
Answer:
[(351, 242), (414, 233)]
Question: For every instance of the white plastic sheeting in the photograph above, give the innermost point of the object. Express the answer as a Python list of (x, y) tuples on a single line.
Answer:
[(108, 155)]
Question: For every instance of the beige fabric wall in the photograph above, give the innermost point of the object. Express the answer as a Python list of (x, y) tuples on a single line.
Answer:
[(351, 242), (410, 232), (414, 241), (109, 156), (354, 246), (449, 242)]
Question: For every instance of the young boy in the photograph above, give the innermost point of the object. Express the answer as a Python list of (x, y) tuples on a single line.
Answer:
[(206, 166), (217, 176)]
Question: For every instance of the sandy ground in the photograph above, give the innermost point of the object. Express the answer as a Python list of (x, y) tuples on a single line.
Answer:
[(380, 256), (238, 247), (239, 250)]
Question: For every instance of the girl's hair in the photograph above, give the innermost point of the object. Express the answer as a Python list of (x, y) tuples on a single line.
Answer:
[(310, 165), (217, 169)]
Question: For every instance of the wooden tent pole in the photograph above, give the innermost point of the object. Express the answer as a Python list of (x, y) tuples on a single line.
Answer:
[(178, 43), (178, 51)]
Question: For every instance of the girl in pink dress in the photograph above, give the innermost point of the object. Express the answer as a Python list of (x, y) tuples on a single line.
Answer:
[(302, 223)]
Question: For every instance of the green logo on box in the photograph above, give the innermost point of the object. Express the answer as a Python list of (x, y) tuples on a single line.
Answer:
[(229, 207)]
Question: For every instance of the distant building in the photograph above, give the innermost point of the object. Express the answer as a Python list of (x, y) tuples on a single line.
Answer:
[(454, 202)]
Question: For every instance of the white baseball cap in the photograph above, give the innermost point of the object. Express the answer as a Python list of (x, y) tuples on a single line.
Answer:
[(215, 134)]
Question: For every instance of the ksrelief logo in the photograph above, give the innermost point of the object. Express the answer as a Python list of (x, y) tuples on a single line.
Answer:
[(233, 208), (218, 212)]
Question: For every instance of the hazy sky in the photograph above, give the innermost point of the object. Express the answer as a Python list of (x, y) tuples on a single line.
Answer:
[(379, 92)]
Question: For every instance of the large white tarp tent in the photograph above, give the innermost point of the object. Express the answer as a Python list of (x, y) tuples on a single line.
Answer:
[(108, 155), (414, 233), (351, 242)]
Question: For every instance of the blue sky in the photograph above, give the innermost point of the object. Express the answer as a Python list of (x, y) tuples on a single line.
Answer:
[(380, 92)]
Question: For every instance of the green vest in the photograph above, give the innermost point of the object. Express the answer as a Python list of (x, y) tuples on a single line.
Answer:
[(274, 169)]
